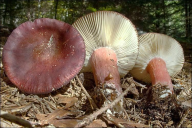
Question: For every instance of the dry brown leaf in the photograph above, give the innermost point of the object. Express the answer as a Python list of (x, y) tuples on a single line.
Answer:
[(128, 123), (69, 101), (97, 123), (187, 103), (52, 118), (18, 109), (65, 123)]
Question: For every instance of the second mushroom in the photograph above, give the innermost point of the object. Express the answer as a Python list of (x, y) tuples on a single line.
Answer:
[(111, 42)]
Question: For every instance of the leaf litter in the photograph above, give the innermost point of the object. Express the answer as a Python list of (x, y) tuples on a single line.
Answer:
[(69, 105)]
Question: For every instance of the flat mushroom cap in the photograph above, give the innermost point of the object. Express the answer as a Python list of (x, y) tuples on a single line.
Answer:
[(157, 45), (112, 30), (43, 55)]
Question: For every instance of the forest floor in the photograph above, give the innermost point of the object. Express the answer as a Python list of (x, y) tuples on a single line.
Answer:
[(70, 106)]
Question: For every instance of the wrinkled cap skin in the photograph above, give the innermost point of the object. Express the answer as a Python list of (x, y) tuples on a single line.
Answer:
[(156, 45), (43, 55)]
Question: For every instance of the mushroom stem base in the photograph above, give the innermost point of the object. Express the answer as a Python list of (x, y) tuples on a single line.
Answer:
[(105, 70), (158, 73)]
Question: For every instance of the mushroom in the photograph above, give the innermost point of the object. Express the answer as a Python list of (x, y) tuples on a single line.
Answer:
[(43, 55), (111, 42), (160, 57)]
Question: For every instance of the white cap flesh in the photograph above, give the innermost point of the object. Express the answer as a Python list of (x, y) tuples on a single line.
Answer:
[(112, 30), (158, 45)]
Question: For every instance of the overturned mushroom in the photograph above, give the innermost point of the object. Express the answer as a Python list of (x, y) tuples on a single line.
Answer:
[(43, 55), (160, 58), (111, 42)]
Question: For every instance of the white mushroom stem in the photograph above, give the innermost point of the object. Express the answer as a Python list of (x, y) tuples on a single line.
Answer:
[(105, 70), (158, 73)]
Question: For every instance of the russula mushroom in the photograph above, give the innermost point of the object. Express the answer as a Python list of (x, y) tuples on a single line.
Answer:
[(160, 57), (43, 55), (111, 42)]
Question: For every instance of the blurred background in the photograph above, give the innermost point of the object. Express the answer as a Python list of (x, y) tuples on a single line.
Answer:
[(171, 17)]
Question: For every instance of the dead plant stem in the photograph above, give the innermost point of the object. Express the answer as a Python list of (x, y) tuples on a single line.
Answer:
[(93, 116), (94, 106)]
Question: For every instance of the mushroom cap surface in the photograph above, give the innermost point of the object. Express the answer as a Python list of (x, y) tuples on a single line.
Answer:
[(43, 55), (160, 46), (112, 30)]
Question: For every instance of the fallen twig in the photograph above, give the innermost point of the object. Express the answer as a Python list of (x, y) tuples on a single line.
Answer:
[(183, 117), (136, 83), (93, 105), (126, 114), (15, 119), (21, 109), (114, 122), (93, 116)]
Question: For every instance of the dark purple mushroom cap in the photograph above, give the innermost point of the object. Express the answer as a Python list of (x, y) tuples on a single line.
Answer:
[(43, 55)]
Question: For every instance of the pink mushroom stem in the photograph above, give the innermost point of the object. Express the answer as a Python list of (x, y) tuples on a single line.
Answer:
[(105, 70), (158, 73)]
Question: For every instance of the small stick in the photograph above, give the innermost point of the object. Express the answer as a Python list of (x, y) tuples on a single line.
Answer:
[(126, 114), (47, 106), (182, 119), (115, 122), (15, 119), (21, 109), (136, 83), (93, 105), (93, 116)]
